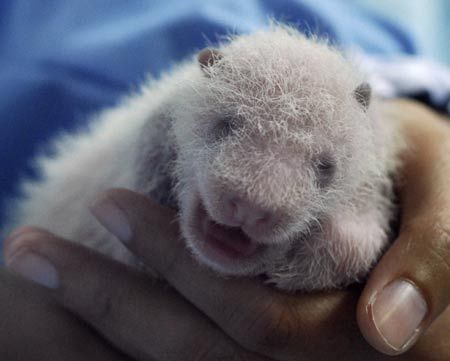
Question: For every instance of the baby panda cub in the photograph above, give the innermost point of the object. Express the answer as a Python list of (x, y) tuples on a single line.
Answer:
[(269, 147)]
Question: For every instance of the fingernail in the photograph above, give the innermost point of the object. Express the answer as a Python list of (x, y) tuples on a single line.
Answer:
[(112, 218), (397, 312), (35, 268)]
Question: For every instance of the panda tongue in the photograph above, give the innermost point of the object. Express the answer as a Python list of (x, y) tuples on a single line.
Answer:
[(231, 240)]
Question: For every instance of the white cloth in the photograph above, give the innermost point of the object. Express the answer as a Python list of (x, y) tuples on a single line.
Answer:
[(407, 76)]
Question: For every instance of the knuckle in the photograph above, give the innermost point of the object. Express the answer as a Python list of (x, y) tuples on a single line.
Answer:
[(272, 328), (205, 346), (25, 239), (227, 354), (171, 264), (25, 236), (217, 351), (442, 233), (440, 249), (104, 301), (26, 230), (98, 303), (174, 263)]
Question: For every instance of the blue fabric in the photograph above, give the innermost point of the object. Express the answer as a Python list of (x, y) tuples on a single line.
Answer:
[(61, 60)]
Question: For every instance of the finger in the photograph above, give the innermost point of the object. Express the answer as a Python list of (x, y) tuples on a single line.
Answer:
[(144, 319), (34, 327), (286, 327), (410, 288)]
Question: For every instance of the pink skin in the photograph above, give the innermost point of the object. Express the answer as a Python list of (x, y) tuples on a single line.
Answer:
[(236, 212), (237, 239), (227, 249)]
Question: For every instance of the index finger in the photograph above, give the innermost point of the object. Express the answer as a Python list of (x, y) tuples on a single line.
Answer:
[(263, 320)]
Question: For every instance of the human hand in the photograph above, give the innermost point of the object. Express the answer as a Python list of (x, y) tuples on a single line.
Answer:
[(35, 327), (283, 327), (144, 318), (203, 316)]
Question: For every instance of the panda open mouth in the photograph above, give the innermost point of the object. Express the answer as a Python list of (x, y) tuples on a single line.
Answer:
[(223, 241)]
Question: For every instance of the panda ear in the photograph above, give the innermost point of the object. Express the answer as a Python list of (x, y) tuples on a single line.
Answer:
[(363, 94), (207, 58)]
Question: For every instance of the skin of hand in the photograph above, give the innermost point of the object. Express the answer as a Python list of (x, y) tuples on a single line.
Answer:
[(205, 317), (415, 271), (35, 327)]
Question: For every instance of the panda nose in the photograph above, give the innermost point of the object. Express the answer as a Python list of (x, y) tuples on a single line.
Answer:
[(242, 213)]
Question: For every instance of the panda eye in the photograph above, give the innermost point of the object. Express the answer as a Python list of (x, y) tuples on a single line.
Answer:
[(326, 168), (224, 127)]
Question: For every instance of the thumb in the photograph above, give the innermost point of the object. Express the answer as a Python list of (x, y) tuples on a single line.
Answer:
[(410, 287)]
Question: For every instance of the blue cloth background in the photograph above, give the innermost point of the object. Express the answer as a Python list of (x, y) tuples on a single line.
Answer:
[(427, 20), (62, 60)]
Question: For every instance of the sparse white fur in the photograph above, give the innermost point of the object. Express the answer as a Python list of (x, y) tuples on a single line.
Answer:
[(292, 100)]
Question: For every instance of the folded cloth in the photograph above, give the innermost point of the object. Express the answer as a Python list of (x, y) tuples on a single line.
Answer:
[(408, 76)]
